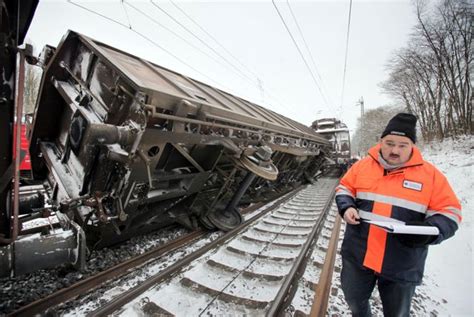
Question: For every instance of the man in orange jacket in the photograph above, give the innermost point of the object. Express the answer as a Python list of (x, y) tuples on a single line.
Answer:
[(393, 183)]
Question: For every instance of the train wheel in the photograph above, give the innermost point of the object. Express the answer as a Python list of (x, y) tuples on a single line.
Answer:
[(267, 171), (206, 223), (225, 220)]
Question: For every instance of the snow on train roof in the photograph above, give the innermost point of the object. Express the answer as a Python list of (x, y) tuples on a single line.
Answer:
[(328, 122), (322, 131)]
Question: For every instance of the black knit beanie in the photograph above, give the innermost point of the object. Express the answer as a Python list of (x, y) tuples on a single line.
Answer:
[(403, 124)]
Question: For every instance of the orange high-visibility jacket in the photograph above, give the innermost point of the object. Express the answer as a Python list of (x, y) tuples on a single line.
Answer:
[(415, 192)]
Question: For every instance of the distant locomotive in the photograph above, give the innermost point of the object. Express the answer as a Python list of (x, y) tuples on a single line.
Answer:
[(336, 132), (123, 146)]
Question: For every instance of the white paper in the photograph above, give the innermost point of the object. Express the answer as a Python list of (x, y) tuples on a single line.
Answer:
[(401, 228), (370, 216)]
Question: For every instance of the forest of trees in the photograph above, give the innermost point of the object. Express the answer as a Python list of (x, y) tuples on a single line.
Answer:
[(431, 76)]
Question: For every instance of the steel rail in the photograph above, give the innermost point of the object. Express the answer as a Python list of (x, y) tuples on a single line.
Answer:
[(131, 294), (278, 305), (94, 281), (320, 303), (114, 272)]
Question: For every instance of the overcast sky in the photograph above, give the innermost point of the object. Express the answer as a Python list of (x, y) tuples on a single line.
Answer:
[(265, 66)]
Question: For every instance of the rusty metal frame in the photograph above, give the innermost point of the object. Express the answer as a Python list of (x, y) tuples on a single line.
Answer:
[(19, 91)]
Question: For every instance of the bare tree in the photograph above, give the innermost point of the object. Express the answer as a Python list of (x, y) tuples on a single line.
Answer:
[(32, 82), (432, 75)]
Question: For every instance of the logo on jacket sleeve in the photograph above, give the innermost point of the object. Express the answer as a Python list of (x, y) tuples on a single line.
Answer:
[(412, 185)]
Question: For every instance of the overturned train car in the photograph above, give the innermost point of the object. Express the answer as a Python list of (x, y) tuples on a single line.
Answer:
[(125, 146)]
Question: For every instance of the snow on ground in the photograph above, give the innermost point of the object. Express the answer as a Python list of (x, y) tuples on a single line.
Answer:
[(449, 267)]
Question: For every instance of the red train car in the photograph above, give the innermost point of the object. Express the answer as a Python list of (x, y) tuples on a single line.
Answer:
[(25, 166)]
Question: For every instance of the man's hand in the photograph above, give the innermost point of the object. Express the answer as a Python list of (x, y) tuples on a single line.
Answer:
[(351, 216), (416, 240)]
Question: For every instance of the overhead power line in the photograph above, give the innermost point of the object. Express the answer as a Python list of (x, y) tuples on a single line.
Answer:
[(203, 42), (259, 82), (130, 28), (213, 38), (183, 39), (301, 54), (147, 39), (126, 13), (345, 58), (309, 51)]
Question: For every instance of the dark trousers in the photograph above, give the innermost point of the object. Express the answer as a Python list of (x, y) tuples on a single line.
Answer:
[(358, 283)]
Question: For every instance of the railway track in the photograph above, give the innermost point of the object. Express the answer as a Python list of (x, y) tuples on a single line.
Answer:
[(95, 281), (317, 285), (255, 269), (114, 273), (251, 270)]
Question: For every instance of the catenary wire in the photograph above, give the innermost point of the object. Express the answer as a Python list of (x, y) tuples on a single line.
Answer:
[(126, 13), (183, 39), (271, 95), (302, 56), (147, 39), (309, 51), (213, 38), (345, 58), (160, 47), (279, 103), (202, 41)]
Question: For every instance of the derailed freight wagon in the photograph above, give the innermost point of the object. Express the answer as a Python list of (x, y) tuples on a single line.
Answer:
[(126, 146)]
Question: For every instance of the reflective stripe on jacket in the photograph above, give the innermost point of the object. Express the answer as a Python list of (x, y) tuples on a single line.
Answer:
[(415, 192)]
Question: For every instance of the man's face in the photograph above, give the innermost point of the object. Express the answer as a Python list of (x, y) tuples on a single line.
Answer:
[(396, 149)]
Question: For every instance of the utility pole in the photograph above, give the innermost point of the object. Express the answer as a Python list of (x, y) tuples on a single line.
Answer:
[(361, 103)]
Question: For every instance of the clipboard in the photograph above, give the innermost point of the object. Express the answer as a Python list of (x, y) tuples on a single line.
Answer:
[(396, 226), (402, 228)]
